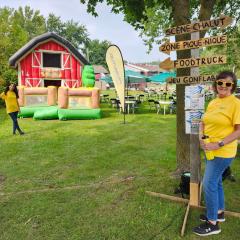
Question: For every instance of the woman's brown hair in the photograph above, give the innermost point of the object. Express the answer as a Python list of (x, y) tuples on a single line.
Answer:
[(224, 75), (14, 90)]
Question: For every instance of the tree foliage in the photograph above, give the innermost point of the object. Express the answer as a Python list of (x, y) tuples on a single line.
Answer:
[(30, 21), (96, 51), (151, 17), (74, 32), (231, 50)]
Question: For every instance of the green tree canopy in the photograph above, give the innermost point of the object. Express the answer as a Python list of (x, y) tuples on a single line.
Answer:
[(153, 16), (231, 50), (96, 51), (74, 32)]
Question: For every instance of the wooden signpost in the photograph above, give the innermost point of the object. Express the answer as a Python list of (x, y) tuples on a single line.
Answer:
[(195, 43), (192, 79), (190, 44), (222, 22), (193, 62)]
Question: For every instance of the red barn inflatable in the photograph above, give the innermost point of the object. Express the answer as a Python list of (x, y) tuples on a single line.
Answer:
[(48, 60)]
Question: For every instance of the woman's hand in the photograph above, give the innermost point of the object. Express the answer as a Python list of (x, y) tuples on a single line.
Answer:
[(211, 146)]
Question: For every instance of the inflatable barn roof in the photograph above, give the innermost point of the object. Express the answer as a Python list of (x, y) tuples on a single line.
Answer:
[(14, 59)]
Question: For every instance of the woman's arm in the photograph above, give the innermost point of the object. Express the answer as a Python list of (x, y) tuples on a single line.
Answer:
[(3, 96), (231, 137)]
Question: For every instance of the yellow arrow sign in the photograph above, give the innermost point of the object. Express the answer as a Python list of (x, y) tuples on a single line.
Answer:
[(222, 22), (167, 64), (189, 44), (192, 62), (192, 79)]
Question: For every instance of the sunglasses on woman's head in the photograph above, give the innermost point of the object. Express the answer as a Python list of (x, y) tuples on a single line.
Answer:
[(224, 84)]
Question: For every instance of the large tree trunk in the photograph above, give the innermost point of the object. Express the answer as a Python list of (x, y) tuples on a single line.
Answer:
[(181, 16)]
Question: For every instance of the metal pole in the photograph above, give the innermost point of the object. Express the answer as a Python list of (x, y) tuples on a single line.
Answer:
[(127, 84), (124, 106)]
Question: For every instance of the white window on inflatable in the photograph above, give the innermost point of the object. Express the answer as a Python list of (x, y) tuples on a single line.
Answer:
[(79, 102), (36, 100), (70, 83), (36, 59), (67, 61), (34, 82)]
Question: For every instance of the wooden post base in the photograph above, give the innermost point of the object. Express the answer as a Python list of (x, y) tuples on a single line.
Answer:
[(182, 200), (194, 194)]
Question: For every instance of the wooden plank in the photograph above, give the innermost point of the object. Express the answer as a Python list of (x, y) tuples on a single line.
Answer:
[(195, 160), (226, 213), (185, 220), (194, 194), (168, 197), (192, 79), (168, 64), (197, 62), (221, 22), (167, 47), (183, 200)]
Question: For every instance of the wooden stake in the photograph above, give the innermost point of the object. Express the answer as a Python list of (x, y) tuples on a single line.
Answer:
[(185, 220)]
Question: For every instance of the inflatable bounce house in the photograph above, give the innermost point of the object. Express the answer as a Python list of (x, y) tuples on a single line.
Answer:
[(55, 81)]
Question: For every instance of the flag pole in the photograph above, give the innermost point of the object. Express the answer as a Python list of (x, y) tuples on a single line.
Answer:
[(124, 112)]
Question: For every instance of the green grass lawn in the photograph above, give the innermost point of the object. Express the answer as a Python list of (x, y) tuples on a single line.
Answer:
[(88, 180)]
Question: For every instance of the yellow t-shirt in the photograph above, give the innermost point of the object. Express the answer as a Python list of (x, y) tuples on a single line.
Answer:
[(219, 120), (10, 101)]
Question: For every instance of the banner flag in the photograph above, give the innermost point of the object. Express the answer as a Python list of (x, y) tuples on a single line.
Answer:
[(116, 68)]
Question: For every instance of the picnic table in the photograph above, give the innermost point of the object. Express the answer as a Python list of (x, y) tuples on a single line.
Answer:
[(164, 104), (130, 105)]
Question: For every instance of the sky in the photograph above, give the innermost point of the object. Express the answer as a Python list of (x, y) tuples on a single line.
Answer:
[(107, 26)]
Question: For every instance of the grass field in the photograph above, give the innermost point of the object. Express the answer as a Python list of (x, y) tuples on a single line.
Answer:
[(87, 180)]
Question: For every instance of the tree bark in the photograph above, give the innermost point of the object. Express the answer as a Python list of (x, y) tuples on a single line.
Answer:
[(181, 12), (181, 16)]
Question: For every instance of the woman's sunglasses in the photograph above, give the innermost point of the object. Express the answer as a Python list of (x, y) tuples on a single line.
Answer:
[(224, 84)]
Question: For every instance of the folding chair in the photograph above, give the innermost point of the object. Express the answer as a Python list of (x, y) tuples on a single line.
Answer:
[(157, 106), (151, 103)]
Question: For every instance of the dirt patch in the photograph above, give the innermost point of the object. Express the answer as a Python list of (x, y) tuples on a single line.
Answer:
[(2, 178)]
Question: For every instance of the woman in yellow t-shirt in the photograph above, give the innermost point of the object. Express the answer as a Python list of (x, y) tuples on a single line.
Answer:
[(10, 95), (221, 124)]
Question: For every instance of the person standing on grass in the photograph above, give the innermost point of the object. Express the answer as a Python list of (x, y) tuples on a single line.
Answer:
[(221, 123), (10, 95)]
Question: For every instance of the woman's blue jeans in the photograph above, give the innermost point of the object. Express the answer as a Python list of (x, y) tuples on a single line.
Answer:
[(212, 185), (14, 117)]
